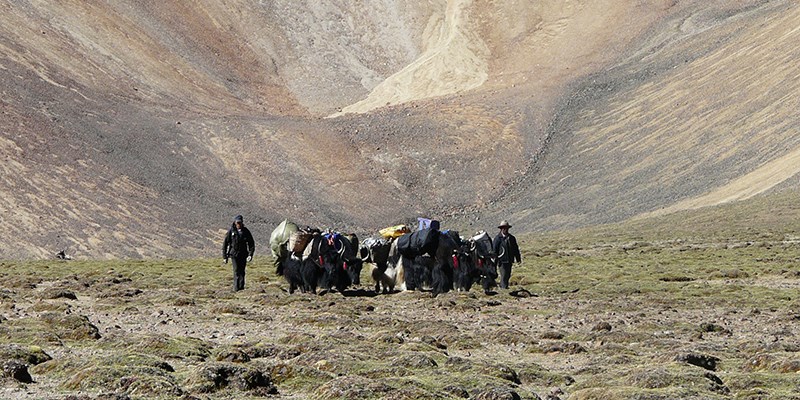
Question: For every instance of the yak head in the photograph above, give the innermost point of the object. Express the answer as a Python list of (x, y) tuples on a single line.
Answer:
[(484, 255), (349, 258), (323, 253)]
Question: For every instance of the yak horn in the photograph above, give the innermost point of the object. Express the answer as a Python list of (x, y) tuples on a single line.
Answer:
[(341, 244)]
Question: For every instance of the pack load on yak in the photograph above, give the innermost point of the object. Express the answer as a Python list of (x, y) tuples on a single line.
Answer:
[(299, 240), (277, 243), (424, 241), (281, 236), (425, 223), (394, 231)]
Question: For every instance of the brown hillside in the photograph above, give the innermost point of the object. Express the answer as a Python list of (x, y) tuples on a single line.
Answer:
[(701, 113), (140, 128)]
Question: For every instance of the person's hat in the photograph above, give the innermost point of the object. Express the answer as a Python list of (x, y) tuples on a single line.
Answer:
[(504, 224), (238, 218)]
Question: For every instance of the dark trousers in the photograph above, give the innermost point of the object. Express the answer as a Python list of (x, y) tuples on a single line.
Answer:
[(239, 263), (505, 273)]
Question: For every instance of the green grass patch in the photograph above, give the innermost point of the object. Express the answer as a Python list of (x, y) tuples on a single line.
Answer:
[(612, 309)]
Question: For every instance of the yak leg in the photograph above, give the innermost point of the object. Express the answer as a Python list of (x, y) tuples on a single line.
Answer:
[(400, 274), (377, 276)]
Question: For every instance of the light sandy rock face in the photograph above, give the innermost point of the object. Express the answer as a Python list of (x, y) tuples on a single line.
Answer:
[(454, 59)]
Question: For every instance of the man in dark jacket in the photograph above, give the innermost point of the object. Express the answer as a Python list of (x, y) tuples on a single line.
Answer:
[(239, 246), (505, 246)]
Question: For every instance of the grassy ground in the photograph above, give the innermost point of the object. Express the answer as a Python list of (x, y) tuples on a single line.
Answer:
[(698, 305)]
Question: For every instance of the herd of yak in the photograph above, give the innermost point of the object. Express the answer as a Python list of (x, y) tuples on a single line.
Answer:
[(427, 259)]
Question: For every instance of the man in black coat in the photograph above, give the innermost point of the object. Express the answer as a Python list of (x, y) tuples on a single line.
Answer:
[(239, 246), (505, 246)]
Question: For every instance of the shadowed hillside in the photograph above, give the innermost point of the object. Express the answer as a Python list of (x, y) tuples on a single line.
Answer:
[(140, 128)]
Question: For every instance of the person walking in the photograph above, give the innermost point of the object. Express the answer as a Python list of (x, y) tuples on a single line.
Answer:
[(239, 246), (505, 246)]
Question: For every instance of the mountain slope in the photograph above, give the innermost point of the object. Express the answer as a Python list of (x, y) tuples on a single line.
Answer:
[(701, 114), (140, 128)]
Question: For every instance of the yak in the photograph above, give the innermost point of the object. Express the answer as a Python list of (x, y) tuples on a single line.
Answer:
[(335, 259), (376, 253), (299, 273), (412, 268), (477, 262), (349, 257), (444, 263)]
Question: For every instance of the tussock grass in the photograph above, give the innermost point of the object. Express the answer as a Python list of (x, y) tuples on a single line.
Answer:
[(613, 311)]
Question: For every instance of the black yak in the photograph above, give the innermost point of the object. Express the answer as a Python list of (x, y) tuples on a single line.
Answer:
[(418, 266), (376, 253), (477, 262)]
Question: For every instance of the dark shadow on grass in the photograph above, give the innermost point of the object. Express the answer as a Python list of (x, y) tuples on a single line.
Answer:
[(360, 293)]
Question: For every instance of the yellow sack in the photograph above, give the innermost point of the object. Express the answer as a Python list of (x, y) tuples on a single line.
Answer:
[(394, 231)]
